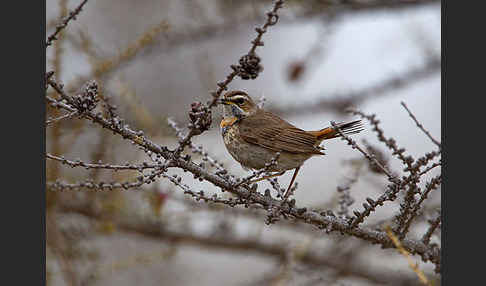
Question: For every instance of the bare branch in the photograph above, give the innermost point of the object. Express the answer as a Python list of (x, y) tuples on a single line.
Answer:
[(64, 23), (371, 158), (405, 253), (432, 185), (79, 163), (248, 68), (65, 116), (320, 220), (434, 224), (420, 126)]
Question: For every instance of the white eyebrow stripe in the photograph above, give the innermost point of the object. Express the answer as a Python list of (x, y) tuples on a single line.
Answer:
[(239, 96)]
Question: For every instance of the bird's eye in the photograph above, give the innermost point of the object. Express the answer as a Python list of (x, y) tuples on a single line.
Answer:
[(239, 100)]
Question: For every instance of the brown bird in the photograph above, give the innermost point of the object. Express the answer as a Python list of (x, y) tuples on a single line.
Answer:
[(254, 136)]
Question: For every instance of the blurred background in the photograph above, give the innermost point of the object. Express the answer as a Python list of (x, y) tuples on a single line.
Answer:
[(152, 59)]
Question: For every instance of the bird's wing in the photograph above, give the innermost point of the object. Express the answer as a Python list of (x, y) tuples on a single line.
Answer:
[(270, 131)]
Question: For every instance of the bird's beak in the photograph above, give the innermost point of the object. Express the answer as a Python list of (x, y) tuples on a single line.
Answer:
[(224, 101)]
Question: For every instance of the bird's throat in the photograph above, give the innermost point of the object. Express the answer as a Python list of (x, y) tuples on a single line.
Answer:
[(226, 122)]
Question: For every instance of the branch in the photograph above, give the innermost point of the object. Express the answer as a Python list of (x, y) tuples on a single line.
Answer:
[(434, 224), (68, 115), (371, 158), (249, 67), (432, 185), (405, 253), (64, 23), (320, 220), (421, 127), (79, 163)]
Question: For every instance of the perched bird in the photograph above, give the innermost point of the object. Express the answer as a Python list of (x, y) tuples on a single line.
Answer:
[(254, 136)]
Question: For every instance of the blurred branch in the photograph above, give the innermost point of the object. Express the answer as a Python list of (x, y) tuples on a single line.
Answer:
[(345, 199), (176, 38), (103, 68), (302, 13), (405, 253), (340, 102), (347, 6), (57, 243), (158, 230)]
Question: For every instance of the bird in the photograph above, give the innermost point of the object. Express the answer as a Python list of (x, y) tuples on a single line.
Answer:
[(255, 137)]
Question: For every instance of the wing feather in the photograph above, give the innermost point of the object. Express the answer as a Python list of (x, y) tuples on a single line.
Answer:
[(268, 130)]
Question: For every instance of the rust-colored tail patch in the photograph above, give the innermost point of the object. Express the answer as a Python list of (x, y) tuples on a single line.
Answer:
[(346, 128)]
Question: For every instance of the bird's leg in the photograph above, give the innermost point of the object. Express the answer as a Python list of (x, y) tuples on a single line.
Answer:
[(266, 177), (287, 193)]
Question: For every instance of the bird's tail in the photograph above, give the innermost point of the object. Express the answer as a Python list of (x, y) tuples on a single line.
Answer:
[(330, 132)]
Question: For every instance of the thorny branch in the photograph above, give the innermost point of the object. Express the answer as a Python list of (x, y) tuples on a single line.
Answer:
[(420, 125), (249, 67), (320, 220), (409, 209), (371, 158), (432, 185), (64, 23), (84, 104), (65, 116), (390, 193), (409, 182), (99, 165), (434, 224), (198, 149), (345, 199)]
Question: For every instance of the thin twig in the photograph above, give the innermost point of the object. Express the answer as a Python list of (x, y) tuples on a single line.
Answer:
[(431, 185), (64, 23), (420, 126), (371, 158), (68, 115), (434, 224), (249, 59), (430, 168), (79, 163)]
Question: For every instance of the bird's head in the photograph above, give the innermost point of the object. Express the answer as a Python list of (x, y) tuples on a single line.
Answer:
[(238, 104)]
